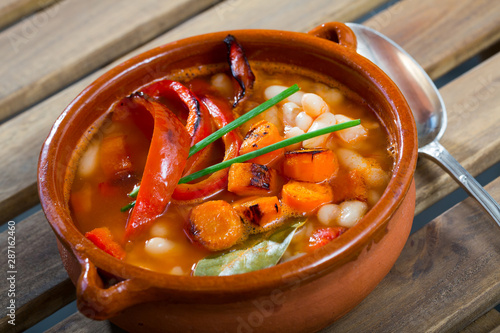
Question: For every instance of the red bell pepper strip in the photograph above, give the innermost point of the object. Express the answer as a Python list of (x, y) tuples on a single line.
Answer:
[(127, 111), (198, 122), (102, 238), (240, 68), (221, 115), (324, 236), (164, 165)]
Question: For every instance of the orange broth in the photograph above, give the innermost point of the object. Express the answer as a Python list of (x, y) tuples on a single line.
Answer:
[(95, 199)]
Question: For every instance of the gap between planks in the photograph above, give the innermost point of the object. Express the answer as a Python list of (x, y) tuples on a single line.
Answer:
[(489, 322), (14, 10)]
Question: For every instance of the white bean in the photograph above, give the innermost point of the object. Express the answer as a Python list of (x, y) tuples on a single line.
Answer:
[(314, 105), (158, 246), (376, 177), (332, 96), (328, 214), (273, 115), (372, 172), (222, 83), (351, 135), (351, 159), (373, 197), (88, 161), (295, 98), (272, 91), (303, 121), (177, 270), (159, 229), (291, 132), (351, 212), (322, 121), (290, 112)]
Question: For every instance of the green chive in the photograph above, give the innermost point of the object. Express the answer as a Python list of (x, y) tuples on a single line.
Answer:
[(244, 118), (265, 150), (127, 207), (135, 191)]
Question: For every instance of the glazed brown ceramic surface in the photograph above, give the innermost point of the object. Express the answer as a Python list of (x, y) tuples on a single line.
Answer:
[(304, 294)]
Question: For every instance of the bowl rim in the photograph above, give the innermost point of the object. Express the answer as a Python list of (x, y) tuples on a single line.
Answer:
[(305, 268)]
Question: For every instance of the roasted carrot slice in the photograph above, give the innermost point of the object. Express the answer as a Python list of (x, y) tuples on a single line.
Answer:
[(305, 197), (114, 158), (324, 236), (252, 179), (350, 186), (262, 134), (261, 211), (102, 238), (310, 165), (215, 225)]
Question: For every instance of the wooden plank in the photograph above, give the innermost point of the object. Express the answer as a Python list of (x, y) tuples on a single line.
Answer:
[(49, 50), (441, 34), (447, 275), (473, 104), (486, 323), (18, 156), (79, 323), (13, 10), (41, 283)]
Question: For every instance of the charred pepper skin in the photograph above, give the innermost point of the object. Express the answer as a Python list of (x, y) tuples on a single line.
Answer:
[(240, 68)]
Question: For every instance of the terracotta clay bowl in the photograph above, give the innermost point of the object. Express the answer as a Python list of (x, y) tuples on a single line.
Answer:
[(301, 295)]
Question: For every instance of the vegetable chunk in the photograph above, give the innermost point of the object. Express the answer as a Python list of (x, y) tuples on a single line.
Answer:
[(252, 179), (262, 134), (324, 236), (305, 197), (260, 211), (310, 165), (350, 186), (215, 225), (115, 160), (102, 238)]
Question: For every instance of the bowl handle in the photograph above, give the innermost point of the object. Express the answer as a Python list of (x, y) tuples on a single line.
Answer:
[(336, 32), (100, 303)]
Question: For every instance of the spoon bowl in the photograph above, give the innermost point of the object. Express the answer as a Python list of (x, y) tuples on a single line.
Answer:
[(426, 104)]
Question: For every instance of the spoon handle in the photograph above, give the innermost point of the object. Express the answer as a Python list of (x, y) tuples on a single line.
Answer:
[(436, 152)]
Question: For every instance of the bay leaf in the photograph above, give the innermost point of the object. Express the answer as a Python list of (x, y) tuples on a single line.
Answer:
[(256, 253)]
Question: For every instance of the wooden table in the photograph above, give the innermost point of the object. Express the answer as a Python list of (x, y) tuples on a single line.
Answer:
[(448, 276)]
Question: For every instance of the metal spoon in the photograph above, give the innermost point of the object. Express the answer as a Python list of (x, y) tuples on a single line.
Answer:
[(426, 104)]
